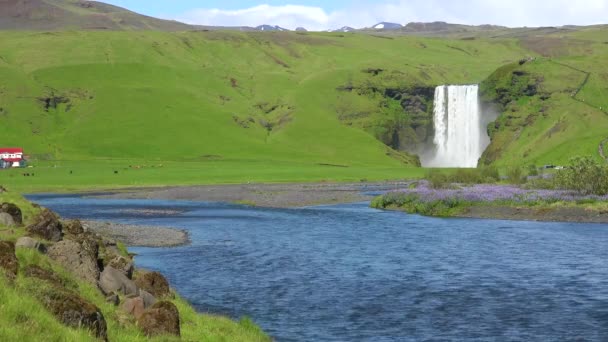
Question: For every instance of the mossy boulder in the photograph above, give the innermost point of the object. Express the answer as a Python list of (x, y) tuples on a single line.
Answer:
[(34, 271), (154, 283), (14, 211), (8, 260), (47, 226), (160, 319), (73, 310)]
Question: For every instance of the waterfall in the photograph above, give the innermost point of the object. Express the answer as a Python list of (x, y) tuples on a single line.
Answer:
[(459, 138)]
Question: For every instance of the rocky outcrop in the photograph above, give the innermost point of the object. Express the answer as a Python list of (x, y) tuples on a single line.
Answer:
[(14, 211), (8, 260), (28, 242), (74, 311), (122, 264), (161, 319), (154, 283), (113, 280), (76, 259), (46, 226), (7, 220)]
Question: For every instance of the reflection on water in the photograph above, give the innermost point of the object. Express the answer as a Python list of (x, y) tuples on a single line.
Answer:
[(351, 273)]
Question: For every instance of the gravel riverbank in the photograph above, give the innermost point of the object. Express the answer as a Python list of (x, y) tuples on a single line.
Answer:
[(139, 236), (264, 195)]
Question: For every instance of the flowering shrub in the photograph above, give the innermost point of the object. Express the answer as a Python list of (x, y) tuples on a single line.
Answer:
[(441, 202)]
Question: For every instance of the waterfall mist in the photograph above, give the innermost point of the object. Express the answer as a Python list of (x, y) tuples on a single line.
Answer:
[(460, 132)]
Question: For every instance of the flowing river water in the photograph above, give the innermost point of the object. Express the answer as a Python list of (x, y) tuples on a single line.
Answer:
[(351, 273)]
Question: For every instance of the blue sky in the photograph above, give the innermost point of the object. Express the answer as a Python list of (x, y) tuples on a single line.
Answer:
[(322, 15)]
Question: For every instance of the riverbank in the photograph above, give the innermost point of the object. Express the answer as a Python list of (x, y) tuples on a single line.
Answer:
[(62, 280), (496, 201), (139, 236), (263, 195)]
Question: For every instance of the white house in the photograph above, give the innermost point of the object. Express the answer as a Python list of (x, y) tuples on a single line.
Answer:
[(11, 157)]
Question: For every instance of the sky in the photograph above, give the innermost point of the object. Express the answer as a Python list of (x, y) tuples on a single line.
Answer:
[(332, 14)]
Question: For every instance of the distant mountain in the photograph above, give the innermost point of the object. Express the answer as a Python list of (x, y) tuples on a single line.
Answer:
[(387, 26), (270, 28), (438, 26), (78, 14), (345, 29), (301, 29)]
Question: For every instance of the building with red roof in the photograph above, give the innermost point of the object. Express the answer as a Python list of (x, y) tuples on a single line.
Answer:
[(11, 157)]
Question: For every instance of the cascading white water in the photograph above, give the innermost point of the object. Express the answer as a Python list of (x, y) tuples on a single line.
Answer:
[(459, 137)]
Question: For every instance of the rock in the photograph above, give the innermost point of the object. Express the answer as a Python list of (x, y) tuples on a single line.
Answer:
[(2, 189), (28, 242), (7, 220), (113, 299), (8, 259), (153, 282), (38, 272), (47, 226), (76, 259), (14, 211), (148, 299), (113, 280), (74, 311), (161, 319), (73, 228), (122, 264), (134, 306), (74, 231)]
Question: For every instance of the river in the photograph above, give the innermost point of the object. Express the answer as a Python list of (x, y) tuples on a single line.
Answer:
[(351, 273)]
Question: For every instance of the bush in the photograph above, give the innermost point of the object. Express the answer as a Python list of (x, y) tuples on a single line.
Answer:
[(532, 170), (437, 179), (585, 176), (515, 175)]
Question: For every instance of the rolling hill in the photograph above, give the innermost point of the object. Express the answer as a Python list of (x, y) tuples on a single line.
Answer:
[(284, 106)]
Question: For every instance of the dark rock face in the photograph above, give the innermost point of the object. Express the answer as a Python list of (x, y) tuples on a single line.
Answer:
[(14, 211), (76, 259), (162, 318), (8, 259), (154, 283), (74, 311), (46, 226), (113, 280)]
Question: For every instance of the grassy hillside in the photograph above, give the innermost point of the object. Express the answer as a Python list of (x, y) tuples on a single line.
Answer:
[(252, 100), (554, 107), (249, 106), (77, 14)]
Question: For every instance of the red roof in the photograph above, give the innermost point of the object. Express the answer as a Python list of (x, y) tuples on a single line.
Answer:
[(11, 150)]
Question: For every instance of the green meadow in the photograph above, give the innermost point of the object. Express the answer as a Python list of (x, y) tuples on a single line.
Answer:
[(237, 107)]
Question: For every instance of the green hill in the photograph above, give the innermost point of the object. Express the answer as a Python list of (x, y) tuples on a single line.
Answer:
[(228, 106)]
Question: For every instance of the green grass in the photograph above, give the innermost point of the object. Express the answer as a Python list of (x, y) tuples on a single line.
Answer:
[(199, 96), (234, 107)]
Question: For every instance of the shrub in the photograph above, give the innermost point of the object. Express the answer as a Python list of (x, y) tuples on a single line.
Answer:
[(437, 179), (515, 175), (532, 170), (585, 176)]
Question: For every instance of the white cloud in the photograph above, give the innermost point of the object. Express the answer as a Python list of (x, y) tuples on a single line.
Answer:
[(366, 13)]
